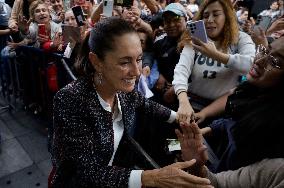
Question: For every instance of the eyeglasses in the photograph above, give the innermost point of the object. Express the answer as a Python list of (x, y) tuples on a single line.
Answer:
[(265, 55)]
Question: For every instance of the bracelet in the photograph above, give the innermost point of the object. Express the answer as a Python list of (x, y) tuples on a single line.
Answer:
[(181, 91)]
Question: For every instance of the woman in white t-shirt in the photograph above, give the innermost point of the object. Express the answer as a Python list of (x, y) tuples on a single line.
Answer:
[(214, 67)]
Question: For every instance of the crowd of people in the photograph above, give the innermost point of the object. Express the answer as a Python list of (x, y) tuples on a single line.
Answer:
[(144, 63)]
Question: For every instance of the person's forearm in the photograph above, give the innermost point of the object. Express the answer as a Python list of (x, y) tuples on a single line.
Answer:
[(147, 27), (183, 99), (217, 107), (221, 57), (5, 32), (147, 178), (96, 13), (152, 5)]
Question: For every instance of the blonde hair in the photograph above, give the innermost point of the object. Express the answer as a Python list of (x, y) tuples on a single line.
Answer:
[(230, 30), (33, 6)]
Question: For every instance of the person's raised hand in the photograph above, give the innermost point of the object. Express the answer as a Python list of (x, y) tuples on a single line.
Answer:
[(276, 26), (57, 40), (24, 24), (259, 37), (191, 142)]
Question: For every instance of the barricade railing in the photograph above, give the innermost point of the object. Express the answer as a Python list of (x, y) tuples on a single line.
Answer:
[(32, 77)]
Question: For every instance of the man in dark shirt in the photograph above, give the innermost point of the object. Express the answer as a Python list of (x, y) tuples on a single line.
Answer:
[(165, 49)]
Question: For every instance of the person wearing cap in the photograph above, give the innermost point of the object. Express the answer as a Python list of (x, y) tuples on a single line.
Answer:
[(165, 50)]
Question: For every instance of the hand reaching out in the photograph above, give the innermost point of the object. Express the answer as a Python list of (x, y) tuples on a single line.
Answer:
[(259, 37), (173, 176), (276, 26), (185, 112), (57, 41), (191, 142), (24, 24)]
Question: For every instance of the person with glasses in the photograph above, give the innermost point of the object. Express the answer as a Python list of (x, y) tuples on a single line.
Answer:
[(266, 173), (252, 129)]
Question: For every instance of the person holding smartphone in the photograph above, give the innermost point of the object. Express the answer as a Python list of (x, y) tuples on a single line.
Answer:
[(43, 32), (214, 67)]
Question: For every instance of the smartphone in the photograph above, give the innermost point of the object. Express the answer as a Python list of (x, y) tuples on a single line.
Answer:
[(123, 3), (262, 22), (41, 29), (79, 15), (197, 29), (107, 7)]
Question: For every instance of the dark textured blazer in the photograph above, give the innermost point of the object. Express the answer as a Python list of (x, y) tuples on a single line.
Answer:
[(83, 136)]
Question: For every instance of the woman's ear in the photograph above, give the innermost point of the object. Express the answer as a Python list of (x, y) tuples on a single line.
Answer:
[(96, 62)]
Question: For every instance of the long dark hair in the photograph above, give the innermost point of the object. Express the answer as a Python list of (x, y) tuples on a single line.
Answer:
[(100, 40)]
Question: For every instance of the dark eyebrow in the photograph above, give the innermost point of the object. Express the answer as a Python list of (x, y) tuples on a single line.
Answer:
[(129, 58), (125, 58), (214, 11)]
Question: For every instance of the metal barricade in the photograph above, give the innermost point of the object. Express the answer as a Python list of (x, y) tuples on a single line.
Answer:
[(34, 77)]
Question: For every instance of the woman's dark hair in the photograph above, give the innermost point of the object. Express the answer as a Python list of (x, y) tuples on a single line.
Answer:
[(149, 40), (100, 40)]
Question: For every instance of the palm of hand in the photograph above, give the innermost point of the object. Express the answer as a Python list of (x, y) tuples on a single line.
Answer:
[(191, 142)]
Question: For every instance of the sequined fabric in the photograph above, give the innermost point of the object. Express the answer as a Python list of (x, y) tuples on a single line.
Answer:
[(83, 136)]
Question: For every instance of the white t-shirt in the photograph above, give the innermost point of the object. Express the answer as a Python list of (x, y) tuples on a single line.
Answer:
[(212, 79)]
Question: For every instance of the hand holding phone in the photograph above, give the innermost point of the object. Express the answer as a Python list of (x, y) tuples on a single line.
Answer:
[(123, 3), (42, 29), (107, 7), (79, 15), (197, 29)]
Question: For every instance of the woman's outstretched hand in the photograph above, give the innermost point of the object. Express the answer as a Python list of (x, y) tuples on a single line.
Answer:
[(173, 176)]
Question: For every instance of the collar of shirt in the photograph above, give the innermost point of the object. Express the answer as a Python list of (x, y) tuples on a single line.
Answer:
[(117, 114)]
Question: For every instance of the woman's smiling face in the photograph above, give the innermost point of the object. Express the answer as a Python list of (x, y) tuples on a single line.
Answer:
[(214, 19)]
